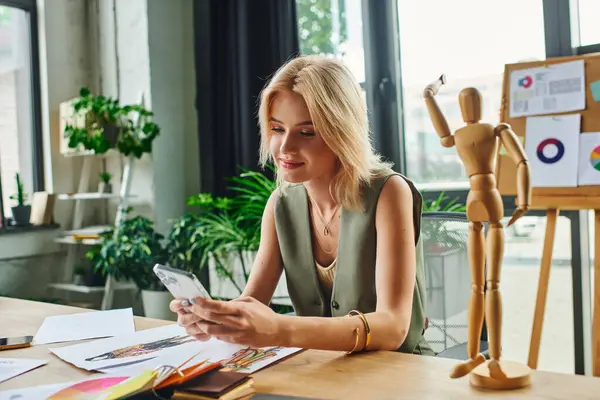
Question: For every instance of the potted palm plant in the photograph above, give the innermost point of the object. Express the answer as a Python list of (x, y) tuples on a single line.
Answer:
[(436, 235), (229, 230)]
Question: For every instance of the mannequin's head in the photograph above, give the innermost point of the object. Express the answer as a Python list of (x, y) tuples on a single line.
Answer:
[(470, 105)]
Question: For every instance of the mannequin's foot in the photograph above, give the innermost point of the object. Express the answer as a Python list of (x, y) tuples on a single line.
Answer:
[(507, 375), (496, 371), (466, 367)]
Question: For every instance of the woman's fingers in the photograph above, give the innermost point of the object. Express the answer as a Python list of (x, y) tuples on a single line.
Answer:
[(202, 337), (195, 329), (215, 306), (218, 330), (175, 305), (187, 319)]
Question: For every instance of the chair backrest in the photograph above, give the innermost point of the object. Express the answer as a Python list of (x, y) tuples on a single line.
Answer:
[(447, 277)]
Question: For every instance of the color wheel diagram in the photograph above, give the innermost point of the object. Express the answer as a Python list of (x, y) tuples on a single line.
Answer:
[(595, 158)]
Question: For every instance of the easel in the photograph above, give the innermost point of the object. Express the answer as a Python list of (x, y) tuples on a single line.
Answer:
[(554, 199)]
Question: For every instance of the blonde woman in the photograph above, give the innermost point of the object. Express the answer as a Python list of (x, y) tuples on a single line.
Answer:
[(342, 224)]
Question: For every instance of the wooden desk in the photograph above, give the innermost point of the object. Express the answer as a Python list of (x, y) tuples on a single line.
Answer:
[(317, 374)]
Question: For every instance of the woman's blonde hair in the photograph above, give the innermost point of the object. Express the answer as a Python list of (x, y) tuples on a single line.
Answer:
[(339, 115)]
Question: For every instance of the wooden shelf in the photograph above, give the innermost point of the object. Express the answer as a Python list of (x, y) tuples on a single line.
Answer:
[(70, 240), (71, 287), (67, 236), (88, 196), (88, 153), (89, 230)]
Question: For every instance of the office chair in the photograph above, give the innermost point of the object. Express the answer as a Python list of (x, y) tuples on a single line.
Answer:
[(448, 284)]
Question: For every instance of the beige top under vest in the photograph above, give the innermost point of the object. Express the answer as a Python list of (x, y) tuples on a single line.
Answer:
[(326, 275)]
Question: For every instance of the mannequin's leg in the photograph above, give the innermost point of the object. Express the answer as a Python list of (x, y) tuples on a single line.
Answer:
[(476, 249), (493, 305)]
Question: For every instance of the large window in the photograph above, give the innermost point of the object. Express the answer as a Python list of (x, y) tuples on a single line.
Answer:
[(587, 31), (469, 41), (20, 137), (333, 28)]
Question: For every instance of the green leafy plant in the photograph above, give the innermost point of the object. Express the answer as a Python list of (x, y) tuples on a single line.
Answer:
[(184, 243), (20, 197), (230, 226), (105, 177), (443, 203), (101, 123), (439, 236), (130, 253)]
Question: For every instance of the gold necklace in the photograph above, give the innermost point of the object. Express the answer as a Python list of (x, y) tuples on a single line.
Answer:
[(326, 230), (316, 235)]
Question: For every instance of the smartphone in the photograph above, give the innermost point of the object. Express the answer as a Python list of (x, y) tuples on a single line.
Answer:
[(15, 342), (181, 284)]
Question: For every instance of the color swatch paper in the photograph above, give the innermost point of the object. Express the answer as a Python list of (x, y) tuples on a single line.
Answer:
[(552, 148)]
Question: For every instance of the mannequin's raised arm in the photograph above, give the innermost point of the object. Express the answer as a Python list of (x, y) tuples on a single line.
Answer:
[(435, 113)]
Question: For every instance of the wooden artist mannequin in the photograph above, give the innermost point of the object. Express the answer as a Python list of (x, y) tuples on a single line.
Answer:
[(476, 144)]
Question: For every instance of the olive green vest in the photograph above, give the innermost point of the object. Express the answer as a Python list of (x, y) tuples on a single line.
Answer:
[(354, 281)]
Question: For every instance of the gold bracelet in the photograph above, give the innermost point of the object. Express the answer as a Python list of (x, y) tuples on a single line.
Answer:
[(366, 324), (355, 343)]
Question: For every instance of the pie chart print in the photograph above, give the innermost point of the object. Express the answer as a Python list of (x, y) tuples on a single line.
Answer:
[(551, 150), (595, 158)]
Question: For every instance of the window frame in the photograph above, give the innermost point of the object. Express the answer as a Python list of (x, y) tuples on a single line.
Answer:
[(30, 7)]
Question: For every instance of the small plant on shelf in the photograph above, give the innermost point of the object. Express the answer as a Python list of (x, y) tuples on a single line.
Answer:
[(104, 185), (100, 123), (79, 276), (22, 211)]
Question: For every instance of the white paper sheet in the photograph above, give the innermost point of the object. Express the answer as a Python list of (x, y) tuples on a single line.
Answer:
[(33, 392), (546, 90), (589, 158), (43, 391), (167, 345), (552, 147), (87, 325), (11, 367)]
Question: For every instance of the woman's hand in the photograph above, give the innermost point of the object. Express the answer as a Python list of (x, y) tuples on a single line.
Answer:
[(187, 319), (244, 321)]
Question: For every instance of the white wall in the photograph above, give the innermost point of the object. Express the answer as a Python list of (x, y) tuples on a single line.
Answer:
[(150, 54), (172, 84)]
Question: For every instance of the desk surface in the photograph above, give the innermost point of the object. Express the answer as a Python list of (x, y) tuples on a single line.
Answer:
[(316, 374)]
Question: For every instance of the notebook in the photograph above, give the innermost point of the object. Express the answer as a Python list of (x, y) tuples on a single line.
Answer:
[(218, 384)]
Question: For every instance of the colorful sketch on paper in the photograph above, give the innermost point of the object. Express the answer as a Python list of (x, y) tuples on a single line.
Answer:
[(242, 360), (143, 348), (87, 389)]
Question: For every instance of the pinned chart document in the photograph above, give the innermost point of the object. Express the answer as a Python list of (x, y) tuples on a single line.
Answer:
[(552, 147), (11, 367), (589, 158), (555, 88), (87, 325)]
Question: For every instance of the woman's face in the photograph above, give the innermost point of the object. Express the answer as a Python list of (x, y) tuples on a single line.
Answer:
[(297, 148)]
